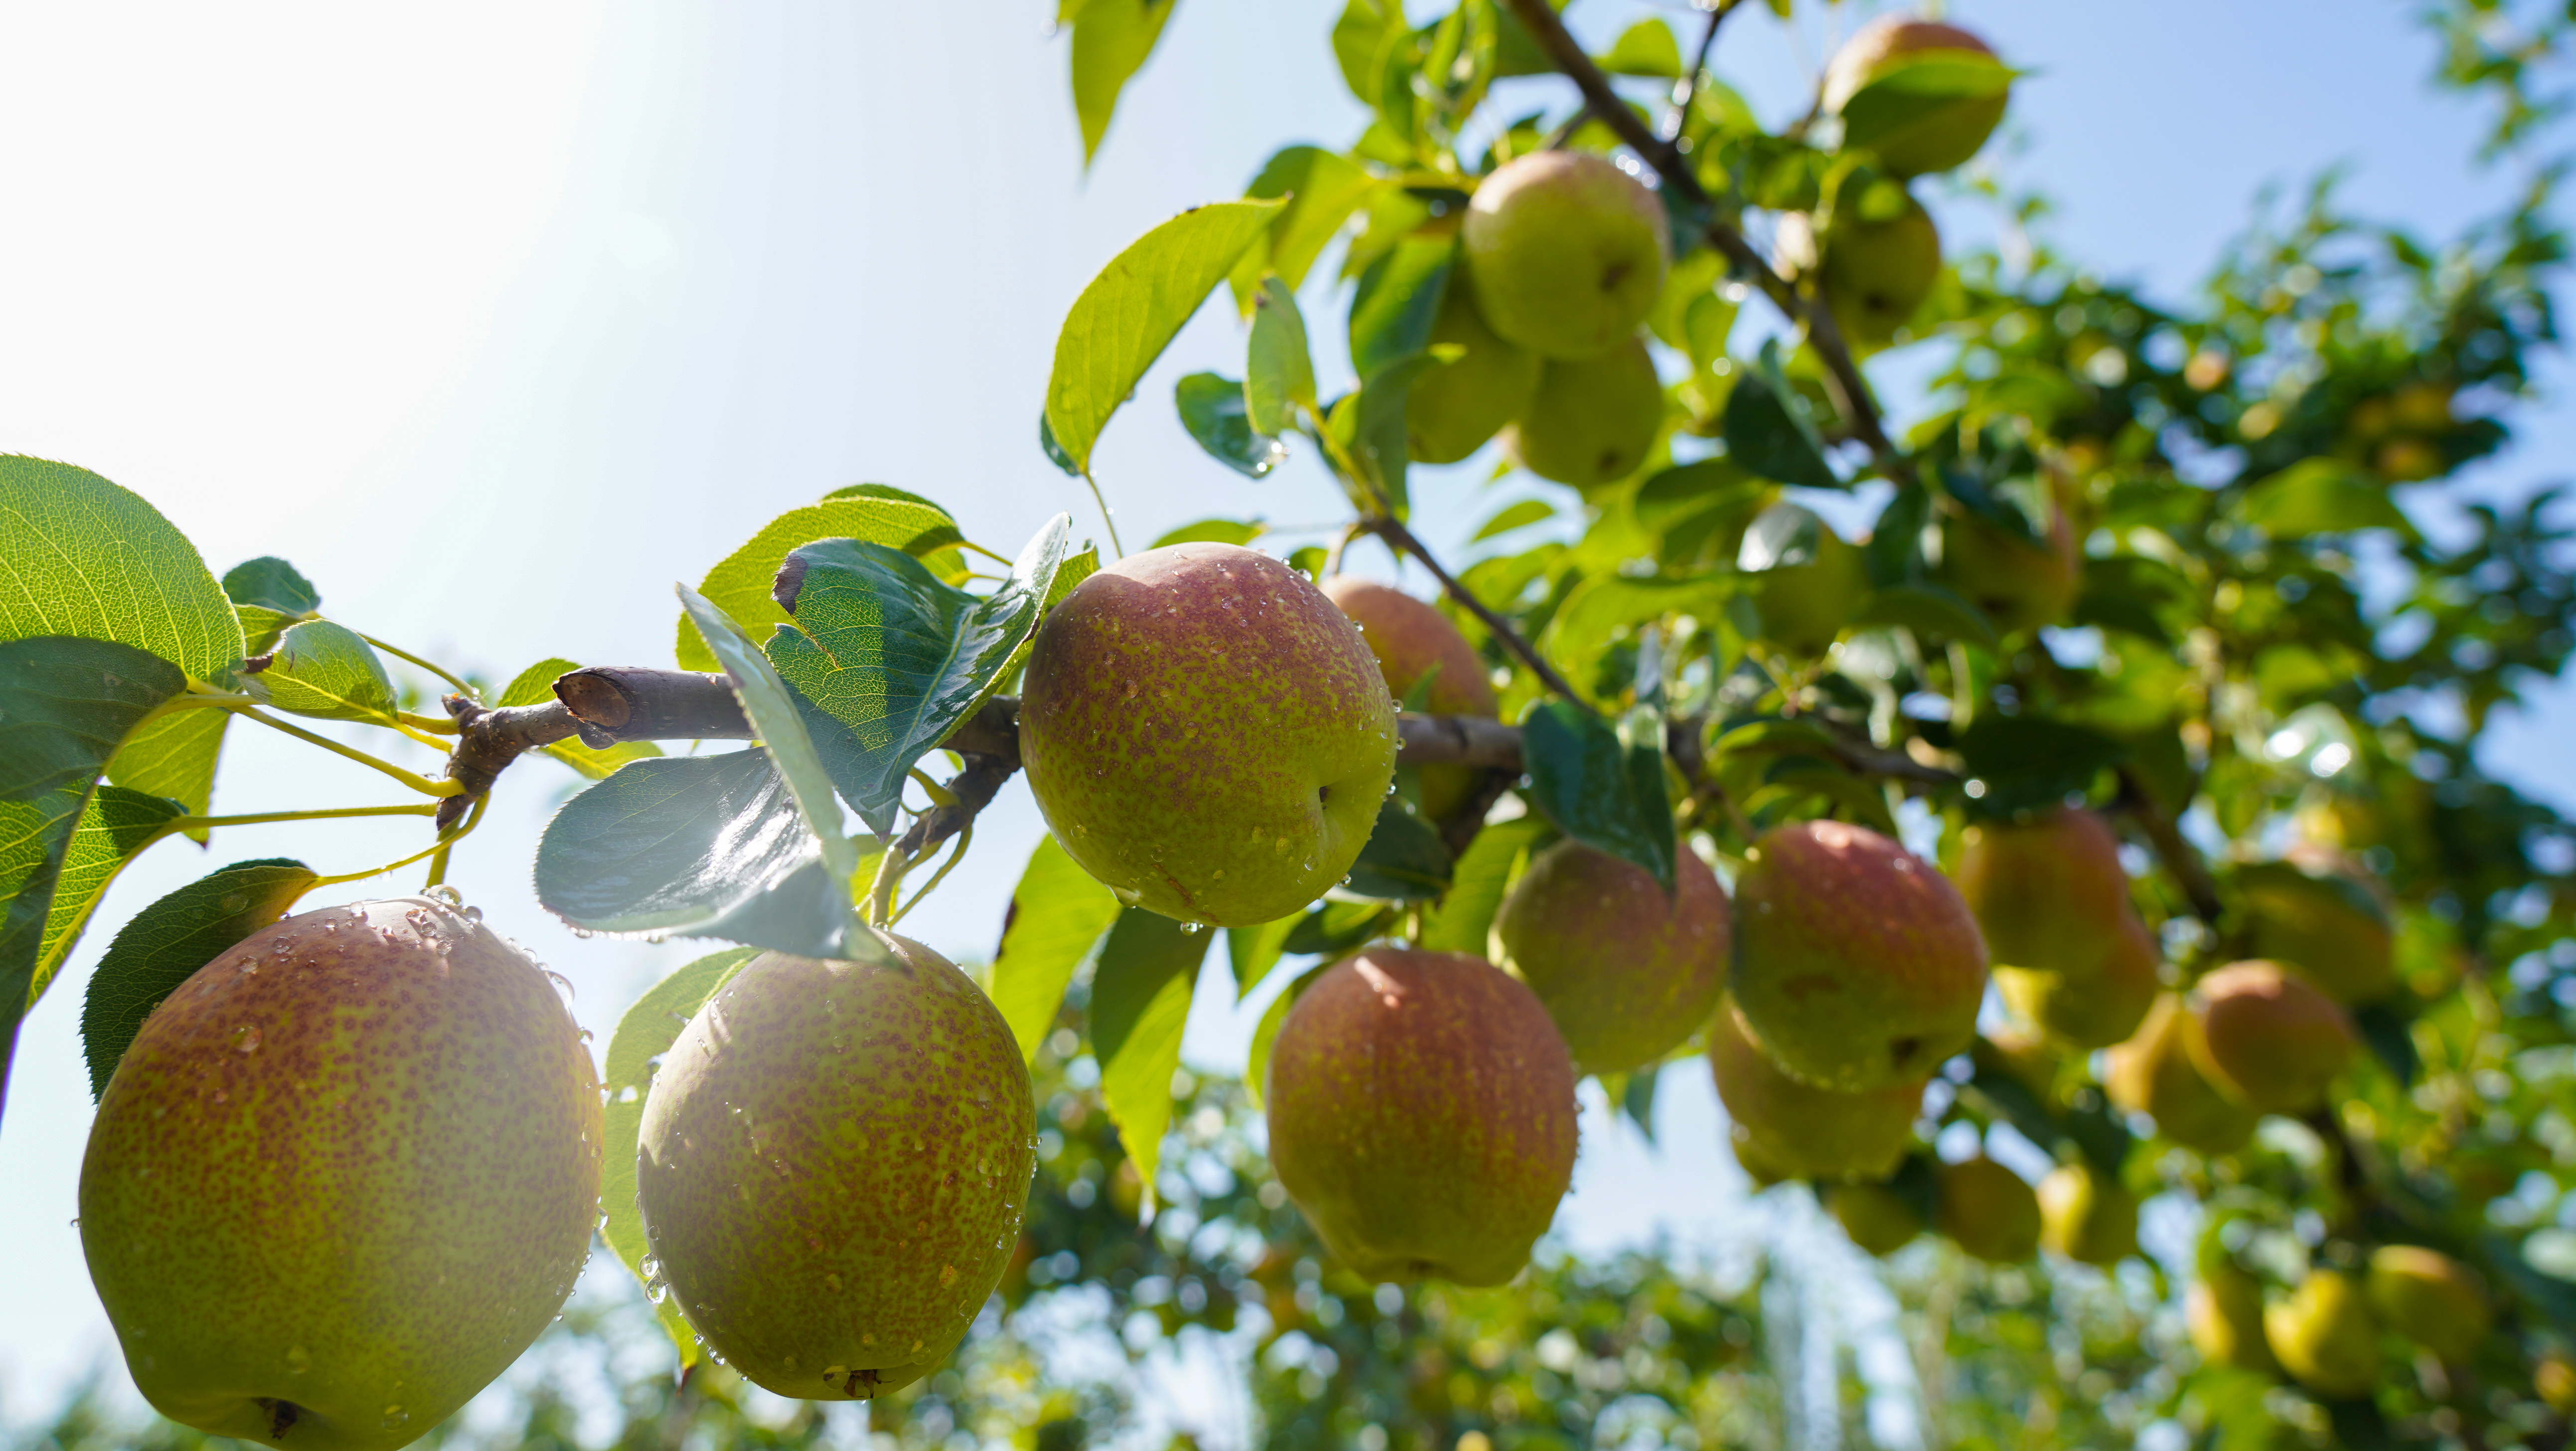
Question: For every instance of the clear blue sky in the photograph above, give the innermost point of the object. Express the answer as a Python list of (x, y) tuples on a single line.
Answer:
[(498, 321)]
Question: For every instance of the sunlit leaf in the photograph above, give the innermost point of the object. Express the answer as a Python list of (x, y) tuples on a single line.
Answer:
[(163, 945), (739, 585), (84, 557), (1140, 999), (1057, 913), (1111, 40), (1603, 784)]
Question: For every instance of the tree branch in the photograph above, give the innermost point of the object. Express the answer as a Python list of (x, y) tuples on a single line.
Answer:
[(1843, 380), (2178, 855), (1386, 527)]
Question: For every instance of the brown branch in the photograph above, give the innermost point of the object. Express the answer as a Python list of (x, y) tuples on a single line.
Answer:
[(1457, 740), (1688, 90), (2179, 856), (1388, 528), (1843, 380)]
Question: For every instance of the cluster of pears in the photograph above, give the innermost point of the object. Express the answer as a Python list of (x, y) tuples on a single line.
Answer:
[(2326, 1332), (1561, 256)]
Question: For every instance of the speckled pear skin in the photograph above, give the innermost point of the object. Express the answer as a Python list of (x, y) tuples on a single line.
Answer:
[(342, 1178), (2071, 957), (1207, 734), (2153, 1073), (833, 1165), (1627, 973), (2268, 1039), (1422, 1115), (1409, 638), (1786, 1129), (1857, 965)]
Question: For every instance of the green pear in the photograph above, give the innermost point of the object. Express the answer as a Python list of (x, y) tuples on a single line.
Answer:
[(1592, 420), (1879, 1220), (2086, 1215), (1807, 582), (1206, 733), (1795, 1131), (1421, 1111), (342, 1178), (2156, 1073), (2224, 1313), (1987, 1210), (2316, 911), (1566, 251), (832, 1166), (1627, 973), (2021, 585), (1411, 640), (2267, 1039), (1454, 408), (1856, 965), (2324, 1336), (1875, 274), (2071, 957), (1935, 134), (2430, 1298)]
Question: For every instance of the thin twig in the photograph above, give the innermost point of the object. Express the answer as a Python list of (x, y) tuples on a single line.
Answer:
[(1386, 527), (1563, 135), (1688, 90), (2178, 854)]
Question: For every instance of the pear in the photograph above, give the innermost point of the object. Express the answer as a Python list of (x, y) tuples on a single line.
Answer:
[(832, 1165), (1879, 1220), (2224, 1313), (2317, 911), (1875, 274), (1566, 252), (2553, 1375), (2324, 1336), (1987, 1210), (2019, 583), (2430, 1298), (1626, 972), (2071, 957), (1454, 408), (1422, 1115), (1592, 420), (343, 1177), (1934, 136), (1412, 640), (2156, 1073), (2087, 1215), (1797, 1131), (1857, 966), (2267, 1039), (1206, 734), (1807, 581)]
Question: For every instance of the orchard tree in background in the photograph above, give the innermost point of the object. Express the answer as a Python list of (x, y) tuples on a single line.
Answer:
[(2167, 650)]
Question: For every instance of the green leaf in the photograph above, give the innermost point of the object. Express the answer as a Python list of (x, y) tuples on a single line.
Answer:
[(1601, 784), (1767, 429), (1111, 40), (1322, 189), (1278, 370), (895, 660), (114, 826), (2029, 761), (325, 670), (1894, 549), (2391, 1039), (1122, 322), (1927, 609), (1646, 48), (1512, 516), (1212, 408), (1214, 531), (1256, 1068), (2320, 496), (643, 1035), (175, 757), (271, 583), (1636, 1099), (1057, 912), (80, 556), (1398, 301), (740, 584), (1055, 451), (1912, 87), (65, 706), (693, 846), (163, 945), (1140, 999), (535, 686), (1377, 438), (1253, 951), (1335, 927), (1404, 858), (1465, 917), (260, 627)]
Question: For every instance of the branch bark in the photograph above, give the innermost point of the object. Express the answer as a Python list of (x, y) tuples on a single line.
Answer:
[(1392, 530), (2178, 854)]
